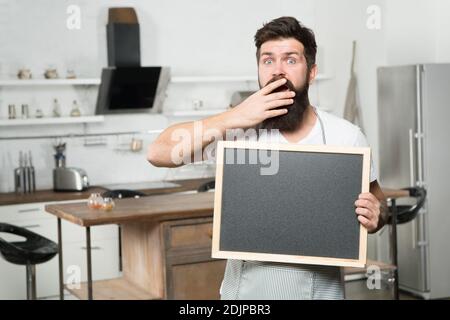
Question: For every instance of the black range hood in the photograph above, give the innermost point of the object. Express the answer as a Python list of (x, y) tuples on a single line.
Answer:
[(126, 86)]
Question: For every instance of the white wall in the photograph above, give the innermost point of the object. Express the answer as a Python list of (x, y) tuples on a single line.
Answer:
[(412, 31), (443, 31)]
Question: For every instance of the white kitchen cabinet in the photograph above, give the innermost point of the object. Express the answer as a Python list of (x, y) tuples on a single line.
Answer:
[(105, 265), (104, 243), (23, 212), (33, 216)]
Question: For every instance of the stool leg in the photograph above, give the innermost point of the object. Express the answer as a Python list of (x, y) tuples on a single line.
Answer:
[(31, 282), (394, 249), (60, 262), (89, 263)]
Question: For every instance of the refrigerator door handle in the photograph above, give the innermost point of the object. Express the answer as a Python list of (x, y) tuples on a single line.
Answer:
[(412, 179), (412, 182)]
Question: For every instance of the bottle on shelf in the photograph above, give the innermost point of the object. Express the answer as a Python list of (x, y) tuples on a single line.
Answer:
[(11, 111), (56, 108), (75, 112)]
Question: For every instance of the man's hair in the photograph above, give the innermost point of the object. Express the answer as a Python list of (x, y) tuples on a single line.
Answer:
[(288, 27)]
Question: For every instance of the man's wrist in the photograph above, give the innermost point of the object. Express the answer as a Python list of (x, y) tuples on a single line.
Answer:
[(222, 122), (384, 215)]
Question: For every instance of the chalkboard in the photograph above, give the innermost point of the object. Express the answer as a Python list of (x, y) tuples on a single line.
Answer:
[(290, 203)]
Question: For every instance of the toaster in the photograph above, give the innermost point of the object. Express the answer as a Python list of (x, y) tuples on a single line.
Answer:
[(70, 179)]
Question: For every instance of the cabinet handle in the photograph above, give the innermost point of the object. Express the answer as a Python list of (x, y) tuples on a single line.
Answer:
[(28, 210), (31, 226), (92, 248)]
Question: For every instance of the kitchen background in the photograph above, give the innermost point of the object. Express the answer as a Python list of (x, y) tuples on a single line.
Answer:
[(209, 47)]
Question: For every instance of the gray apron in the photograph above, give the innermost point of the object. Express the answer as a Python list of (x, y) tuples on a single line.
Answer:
[(255, 280)]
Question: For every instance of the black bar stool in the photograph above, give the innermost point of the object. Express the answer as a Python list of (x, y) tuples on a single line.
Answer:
[(34, 250), (209, 185), (399, 214)]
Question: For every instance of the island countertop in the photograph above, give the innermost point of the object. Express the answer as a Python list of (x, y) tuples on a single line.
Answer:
[(151, 208)]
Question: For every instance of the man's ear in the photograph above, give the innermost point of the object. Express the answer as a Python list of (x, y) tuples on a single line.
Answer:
[(312, 73)]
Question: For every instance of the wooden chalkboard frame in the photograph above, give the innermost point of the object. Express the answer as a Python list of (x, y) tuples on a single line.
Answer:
[(327, 261)]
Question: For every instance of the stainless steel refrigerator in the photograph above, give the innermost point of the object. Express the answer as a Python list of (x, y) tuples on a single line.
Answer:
[(414, 149)]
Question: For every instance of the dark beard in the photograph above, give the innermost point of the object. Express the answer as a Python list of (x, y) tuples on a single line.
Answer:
[(290, 121)]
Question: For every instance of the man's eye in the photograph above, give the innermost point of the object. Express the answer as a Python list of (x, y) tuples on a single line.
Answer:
[(268, 61), (291, 61)]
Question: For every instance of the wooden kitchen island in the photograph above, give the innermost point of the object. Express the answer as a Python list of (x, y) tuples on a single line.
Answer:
[(166, 247)]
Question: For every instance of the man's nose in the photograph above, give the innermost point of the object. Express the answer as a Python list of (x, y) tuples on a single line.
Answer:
[(278, 70)]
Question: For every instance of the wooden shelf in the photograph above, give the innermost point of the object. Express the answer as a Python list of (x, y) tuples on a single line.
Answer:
[(42, 121), (50, 82), (97, 81), (112, 289), (195, 79)]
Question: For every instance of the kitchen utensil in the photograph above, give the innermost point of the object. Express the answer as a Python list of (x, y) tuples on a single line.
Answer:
[(32, 174), (24, 173), (18, 175), (60, 158), (11, 111), (25, 111), (136, 145)]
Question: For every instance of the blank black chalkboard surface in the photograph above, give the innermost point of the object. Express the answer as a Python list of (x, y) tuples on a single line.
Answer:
[(289, 203)]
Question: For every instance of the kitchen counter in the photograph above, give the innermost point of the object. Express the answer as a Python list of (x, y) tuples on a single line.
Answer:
[(50, 195), (166, 247), (146, 209)]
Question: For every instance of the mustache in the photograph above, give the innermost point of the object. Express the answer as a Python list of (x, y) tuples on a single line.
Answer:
[(285, 87), (289, 121)]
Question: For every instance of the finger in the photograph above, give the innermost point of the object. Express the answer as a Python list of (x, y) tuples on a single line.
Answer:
[(365, 222), (276, 113), (280, 95), (367, 196), (367, 204), (270, 87), (364, 212), (370, 197), (279, 103)]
